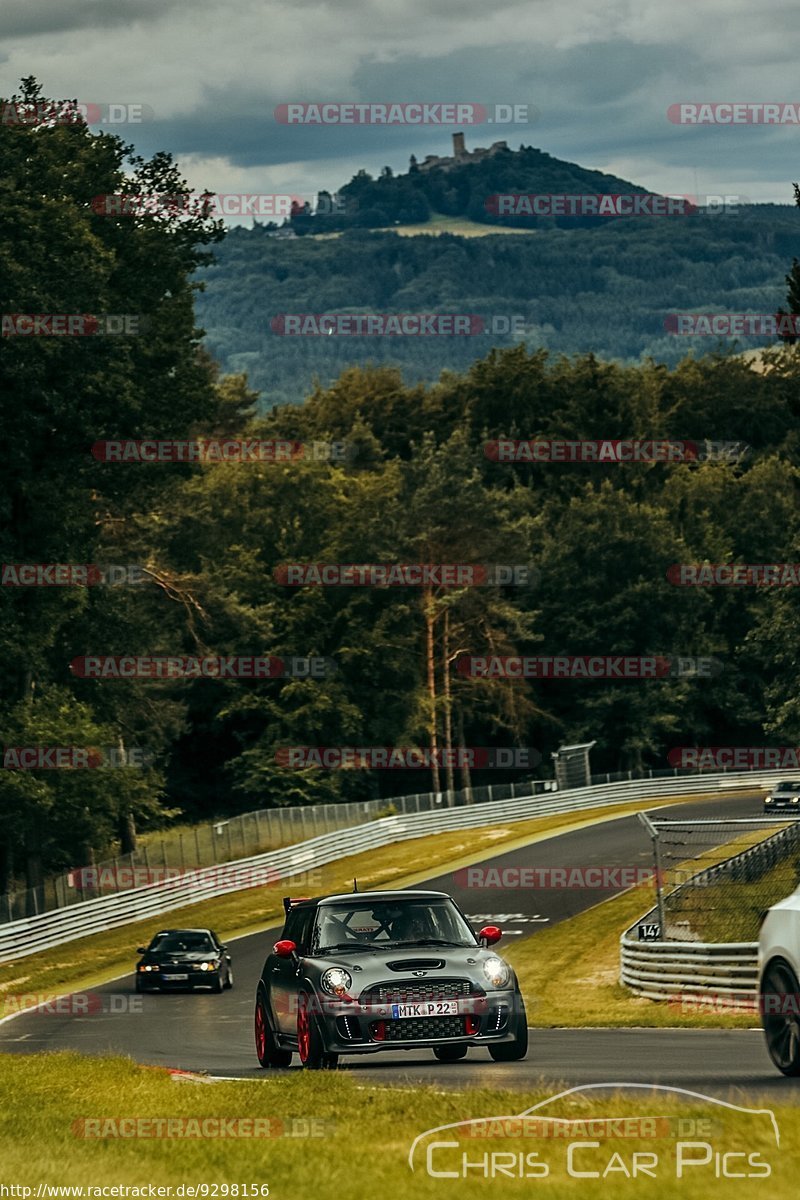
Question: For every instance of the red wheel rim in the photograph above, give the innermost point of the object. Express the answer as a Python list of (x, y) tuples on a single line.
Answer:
[(303, 1034), (261, 1031)]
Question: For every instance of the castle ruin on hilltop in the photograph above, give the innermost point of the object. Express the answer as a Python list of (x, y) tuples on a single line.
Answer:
[(459, 156)]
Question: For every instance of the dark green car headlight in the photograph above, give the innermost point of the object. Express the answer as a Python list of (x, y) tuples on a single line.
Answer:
[(336, 981)]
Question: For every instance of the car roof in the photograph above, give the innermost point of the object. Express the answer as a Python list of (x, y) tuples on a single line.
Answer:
[(341, 897), (164, 932)]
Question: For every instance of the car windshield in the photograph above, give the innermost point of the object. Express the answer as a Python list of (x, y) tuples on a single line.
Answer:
[(179, 943), (789, 787), (371, 924)]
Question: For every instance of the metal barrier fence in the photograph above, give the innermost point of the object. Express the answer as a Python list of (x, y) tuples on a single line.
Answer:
[(22, 937), (693, 970), (228, 839)]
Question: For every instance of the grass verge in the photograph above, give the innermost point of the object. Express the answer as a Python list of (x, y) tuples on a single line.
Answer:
[(569, 974), (48, 1104)]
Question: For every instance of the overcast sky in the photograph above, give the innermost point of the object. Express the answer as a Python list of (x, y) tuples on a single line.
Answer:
[(597, 76)]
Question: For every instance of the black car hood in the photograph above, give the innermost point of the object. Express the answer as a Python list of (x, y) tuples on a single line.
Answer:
[(180, 956), (401, 962)]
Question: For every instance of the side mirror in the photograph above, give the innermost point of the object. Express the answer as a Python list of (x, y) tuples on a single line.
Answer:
[(284, 949), (141, 950), (490, 934), (223, 946)]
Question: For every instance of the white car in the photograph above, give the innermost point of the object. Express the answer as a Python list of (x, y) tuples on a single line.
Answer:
[(779, 989)]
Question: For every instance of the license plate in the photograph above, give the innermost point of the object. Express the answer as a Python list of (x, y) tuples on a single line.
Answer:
[(175, 977), (426, 1008)]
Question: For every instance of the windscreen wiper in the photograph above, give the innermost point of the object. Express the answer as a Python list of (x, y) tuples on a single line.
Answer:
[(431, 942)]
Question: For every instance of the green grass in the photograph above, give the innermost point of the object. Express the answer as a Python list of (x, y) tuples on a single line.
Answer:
[(439, 223), (92, 960), (730, 911), (366, 1134)]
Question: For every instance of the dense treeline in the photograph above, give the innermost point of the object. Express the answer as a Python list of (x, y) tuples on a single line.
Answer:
[(607, 290), (415, 486)]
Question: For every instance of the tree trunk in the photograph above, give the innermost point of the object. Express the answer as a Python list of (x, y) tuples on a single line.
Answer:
[(127, 823), (466, 774), (448, 716), (6, 866), (430, 622), (127, 833)]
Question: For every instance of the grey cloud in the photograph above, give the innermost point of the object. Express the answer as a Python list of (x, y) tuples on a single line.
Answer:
[(35, 18)]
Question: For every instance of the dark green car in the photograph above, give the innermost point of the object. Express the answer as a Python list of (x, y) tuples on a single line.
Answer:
[(380, 971)]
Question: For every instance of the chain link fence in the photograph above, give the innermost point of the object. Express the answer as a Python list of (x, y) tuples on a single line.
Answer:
[(164, 856), (715, 878)]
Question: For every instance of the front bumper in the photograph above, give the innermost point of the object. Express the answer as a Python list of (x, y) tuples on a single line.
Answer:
[(150, 980), (352, 1028)]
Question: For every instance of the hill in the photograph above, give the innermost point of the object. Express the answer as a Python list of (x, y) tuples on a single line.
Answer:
[(464, 184), (579, 284)]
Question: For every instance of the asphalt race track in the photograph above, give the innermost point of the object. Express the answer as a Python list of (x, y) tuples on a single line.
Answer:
[(213, 1033)]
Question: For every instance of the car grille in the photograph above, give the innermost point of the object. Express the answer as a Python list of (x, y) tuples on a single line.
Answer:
[(423, 1028), (408, 992)]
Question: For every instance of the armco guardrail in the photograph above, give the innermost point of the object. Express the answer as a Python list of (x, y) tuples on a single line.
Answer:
[(694, 971), (24, 937), (690, 970), (227, 839)]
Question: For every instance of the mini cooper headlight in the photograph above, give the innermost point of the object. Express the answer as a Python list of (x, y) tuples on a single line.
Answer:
[(496, 971), (149, 967), (336, 981), (206, 966)]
